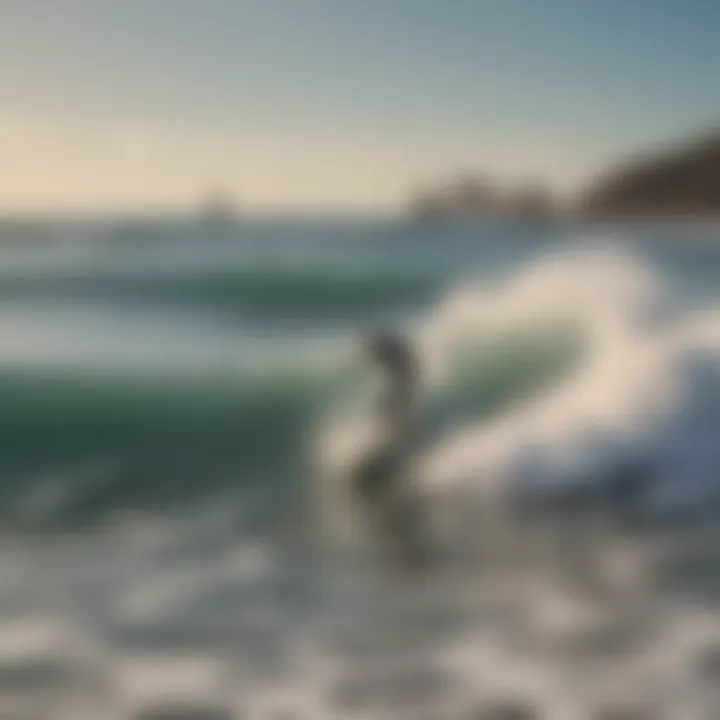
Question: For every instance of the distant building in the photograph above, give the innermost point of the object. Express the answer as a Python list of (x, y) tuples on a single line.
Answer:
[(219, 210), (466, 197), (532, 202), (474, 197)]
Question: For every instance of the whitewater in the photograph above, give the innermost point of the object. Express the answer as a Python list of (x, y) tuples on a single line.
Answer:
[(179, 413)]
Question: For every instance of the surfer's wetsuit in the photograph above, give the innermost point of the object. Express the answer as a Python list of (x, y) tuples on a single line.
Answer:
[(380, 479), (380, 469), (395, 355)]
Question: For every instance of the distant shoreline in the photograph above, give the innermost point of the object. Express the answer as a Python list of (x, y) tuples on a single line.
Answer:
[(679, 185)]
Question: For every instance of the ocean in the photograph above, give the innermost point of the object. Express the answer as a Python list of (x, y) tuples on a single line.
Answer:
[(181, 405)]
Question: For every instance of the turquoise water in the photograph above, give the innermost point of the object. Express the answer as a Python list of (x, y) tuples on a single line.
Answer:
[(180, 407)]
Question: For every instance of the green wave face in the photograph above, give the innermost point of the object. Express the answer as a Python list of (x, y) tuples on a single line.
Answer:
[(163, 442)]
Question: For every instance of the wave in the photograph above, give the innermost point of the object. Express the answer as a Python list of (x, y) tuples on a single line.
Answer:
[(100, 442), (259, 290), (579, 371), (608, 385)]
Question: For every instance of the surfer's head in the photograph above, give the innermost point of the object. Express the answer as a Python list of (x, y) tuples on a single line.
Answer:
[(396, 357), (392, 351)]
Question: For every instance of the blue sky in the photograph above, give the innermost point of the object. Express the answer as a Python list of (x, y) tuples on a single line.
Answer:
[(337, 104)]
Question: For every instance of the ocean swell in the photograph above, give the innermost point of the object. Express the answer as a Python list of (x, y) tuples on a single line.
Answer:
[(264, 291)]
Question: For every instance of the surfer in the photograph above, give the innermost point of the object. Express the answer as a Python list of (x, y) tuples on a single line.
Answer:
[(396, 356), (381, 480)]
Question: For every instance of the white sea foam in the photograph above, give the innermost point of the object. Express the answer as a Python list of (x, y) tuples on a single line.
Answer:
[(646, 391)]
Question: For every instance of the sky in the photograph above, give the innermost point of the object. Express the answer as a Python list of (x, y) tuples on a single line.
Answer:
[(337, 105)]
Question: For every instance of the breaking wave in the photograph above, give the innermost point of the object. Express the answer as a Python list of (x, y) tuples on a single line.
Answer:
[(579, 373), (580, 370)]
